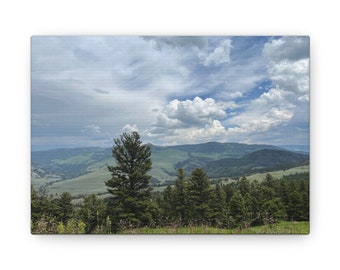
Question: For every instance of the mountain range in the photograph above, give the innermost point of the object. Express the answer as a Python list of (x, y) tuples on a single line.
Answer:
[(86, 168)]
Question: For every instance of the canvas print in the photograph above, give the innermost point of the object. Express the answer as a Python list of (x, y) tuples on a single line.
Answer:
[(170, 135)]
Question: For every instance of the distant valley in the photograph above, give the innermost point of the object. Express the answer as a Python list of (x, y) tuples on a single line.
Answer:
[(84, 170)]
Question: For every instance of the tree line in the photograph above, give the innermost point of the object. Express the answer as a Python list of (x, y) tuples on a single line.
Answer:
[(191, 201), (240, 203)]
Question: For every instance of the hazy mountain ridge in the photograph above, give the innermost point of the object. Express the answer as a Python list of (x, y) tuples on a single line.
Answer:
[(218, 159), (224, 149)]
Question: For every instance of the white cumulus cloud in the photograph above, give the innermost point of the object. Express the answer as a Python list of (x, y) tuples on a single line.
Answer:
[(213, 131), (261, 123), (189, 121), (273, 109), (130, 128), (190, 112)]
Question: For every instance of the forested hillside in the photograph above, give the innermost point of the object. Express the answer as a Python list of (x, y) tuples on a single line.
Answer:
[(192, 201), (259, 161)]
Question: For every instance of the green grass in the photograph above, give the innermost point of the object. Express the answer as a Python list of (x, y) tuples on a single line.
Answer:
[(38, 182), (278, 174), (93, 182), (283, 227), (213, 156), (79, 159), (164, 163)]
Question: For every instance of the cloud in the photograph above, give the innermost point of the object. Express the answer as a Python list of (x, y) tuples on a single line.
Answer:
[(220, 55), (189, 120), (212, 131), (101, 91), (190, 112), (291, 75), (289, 63), (277, 112), (91, 130), (275, 97), (269, 111), (68, 93), (179, 41), (290, 48), (261, 123), (173, 88), (85, 55), (128, 128), (244, 70)]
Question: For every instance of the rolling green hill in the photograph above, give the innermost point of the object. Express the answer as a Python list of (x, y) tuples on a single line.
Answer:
[(84, 170), (259, 161), (192, 156), (69, 162)]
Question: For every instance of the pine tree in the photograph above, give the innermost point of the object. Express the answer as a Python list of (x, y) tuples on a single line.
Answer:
[(199, 196), (167, 203), (229, 190), (237, 209), (42, 211), (295, 206), (92, 212), (219, 207), (255, 203), (130, 182), (39, 204), (180, 197), (244, 186), (284, 192), (274, 210), (305, 205), (269, 181), (62, 207)]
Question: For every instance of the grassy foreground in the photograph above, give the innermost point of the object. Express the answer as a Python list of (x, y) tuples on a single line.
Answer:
[(283, 227)]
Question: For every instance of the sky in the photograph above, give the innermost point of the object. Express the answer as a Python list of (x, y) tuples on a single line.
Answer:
[(88, 90)]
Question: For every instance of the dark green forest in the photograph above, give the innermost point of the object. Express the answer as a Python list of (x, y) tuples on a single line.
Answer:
[(193, 200)]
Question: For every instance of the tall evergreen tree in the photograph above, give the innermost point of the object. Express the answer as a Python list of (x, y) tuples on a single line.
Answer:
[(269, 181), (167, 203), (295, 206), (219, 207), (237, 209), (199, 196), (229, 190), (63, 208), (180, 196), (40, 204), (284, 192), (130, 182), (255, 203), (244, 186), (305, 206)]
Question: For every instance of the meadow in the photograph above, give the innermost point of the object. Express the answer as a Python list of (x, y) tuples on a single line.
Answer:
[(279, 174), (282, 227)]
